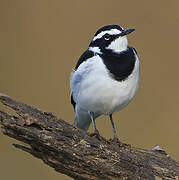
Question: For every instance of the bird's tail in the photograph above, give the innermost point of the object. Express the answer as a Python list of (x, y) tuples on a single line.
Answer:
[(82, 118)]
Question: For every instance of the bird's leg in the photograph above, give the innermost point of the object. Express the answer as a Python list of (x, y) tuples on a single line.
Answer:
[(96, 132), (115, 139)]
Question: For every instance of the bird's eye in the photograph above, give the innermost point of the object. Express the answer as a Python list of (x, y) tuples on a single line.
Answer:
[(107, 37)]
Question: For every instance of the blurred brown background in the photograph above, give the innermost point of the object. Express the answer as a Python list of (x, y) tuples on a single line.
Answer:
[(40, 42)]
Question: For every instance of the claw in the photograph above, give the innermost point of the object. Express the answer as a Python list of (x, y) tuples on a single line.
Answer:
[(117, 141), (97, 135)]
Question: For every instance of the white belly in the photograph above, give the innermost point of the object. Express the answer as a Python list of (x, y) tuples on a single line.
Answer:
[(97, 92)]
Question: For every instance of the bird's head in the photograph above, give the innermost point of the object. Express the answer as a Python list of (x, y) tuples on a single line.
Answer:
[(110, 37)]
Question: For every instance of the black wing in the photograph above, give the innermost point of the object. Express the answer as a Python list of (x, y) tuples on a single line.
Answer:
[(73, 102), (134, 50), (86, 55)]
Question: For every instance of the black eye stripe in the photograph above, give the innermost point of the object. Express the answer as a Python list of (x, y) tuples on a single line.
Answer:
[(110, 37), (104, 41), (107, 36)]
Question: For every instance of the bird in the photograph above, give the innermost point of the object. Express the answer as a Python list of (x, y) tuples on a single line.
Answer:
[(105, 78)]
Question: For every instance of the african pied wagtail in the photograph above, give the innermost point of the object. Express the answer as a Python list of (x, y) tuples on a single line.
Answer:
[(105, 78)]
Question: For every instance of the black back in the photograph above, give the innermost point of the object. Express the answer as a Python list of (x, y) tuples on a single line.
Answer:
[(86, 55)]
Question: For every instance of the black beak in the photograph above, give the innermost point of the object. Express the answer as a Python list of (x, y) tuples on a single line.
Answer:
[(125, 32)]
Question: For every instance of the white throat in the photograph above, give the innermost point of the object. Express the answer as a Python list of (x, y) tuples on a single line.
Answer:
[(118, 45)]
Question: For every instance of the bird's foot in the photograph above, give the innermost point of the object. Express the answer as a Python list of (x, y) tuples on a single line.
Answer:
[(96, 134), (117, 141)]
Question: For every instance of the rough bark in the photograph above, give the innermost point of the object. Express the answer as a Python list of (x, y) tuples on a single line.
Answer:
[(75, 153)]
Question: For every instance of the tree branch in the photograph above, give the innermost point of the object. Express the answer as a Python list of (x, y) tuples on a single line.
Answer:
[(75, 153)]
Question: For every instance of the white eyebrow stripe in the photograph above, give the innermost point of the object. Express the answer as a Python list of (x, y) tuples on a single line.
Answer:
[(111, 32)]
